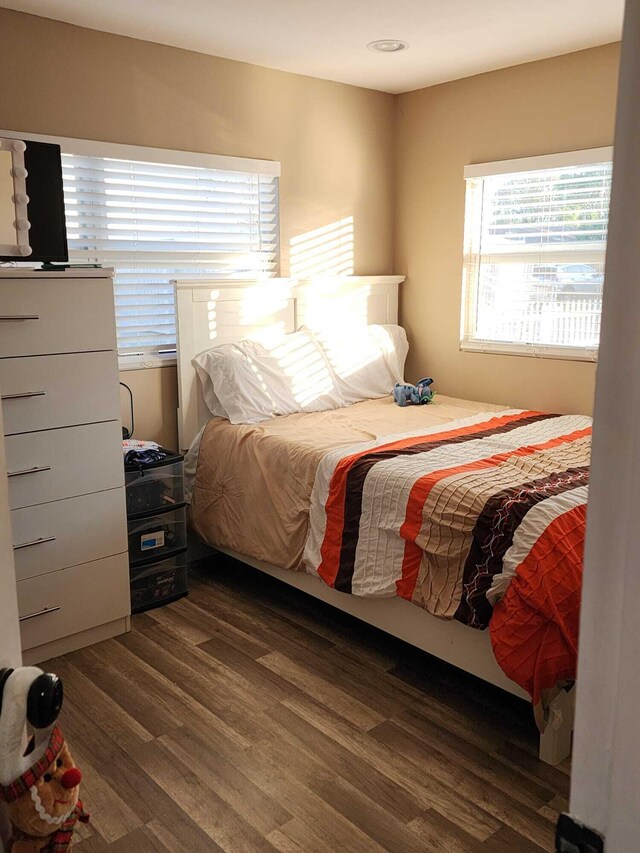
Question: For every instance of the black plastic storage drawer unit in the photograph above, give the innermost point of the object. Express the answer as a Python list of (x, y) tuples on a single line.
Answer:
[(154, 487), (157, 529), (158, 534), (159, 582)]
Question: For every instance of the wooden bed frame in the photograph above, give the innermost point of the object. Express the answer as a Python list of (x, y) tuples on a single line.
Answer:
[(216, 312)]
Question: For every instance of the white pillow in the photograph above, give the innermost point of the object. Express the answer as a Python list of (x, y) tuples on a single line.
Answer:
[(251, 381), (305, 364), (368, 361), (245, 381), (213, 404)]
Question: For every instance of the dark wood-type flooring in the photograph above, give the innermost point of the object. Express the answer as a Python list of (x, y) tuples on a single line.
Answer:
[(251, 717)]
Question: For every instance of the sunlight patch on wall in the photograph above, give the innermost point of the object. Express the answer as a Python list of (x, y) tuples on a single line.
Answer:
[(328, 250)]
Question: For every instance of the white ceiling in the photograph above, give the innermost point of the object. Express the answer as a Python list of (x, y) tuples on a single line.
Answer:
[(327, 38)]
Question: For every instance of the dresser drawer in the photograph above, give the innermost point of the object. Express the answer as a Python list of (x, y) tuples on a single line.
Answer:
[(56, 316), (55, 535), (72, 600), (63, 463), (44, 392)]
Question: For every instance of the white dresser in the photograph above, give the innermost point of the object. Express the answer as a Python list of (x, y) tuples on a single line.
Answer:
[(61, 408)]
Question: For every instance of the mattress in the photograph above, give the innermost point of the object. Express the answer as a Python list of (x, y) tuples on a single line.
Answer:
[(253, 482)]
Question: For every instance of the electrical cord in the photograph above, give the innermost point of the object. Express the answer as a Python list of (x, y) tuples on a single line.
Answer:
[(125, 432)]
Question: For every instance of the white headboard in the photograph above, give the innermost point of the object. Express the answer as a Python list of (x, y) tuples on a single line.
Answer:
[(218, 312)]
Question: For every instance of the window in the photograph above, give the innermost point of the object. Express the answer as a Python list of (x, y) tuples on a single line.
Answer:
[(534, 251), (156, 215), (154, 222)]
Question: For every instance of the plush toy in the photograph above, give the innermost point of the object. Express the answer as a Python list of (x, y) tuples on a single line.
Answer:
[(39, 782), (416, 395)]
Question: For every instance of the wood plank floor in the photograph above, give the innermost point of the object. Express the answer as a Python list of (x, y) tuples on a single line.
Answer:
[(251, 717)]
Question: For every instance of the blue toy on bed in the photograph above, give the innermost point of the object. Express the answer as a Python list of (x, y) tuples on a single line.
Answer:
[(415, 395)]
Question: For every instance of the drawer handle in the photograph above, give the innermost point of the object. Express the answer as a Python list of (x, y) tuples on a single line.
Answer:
[(42, 612), (35, 470), (23, 395), (10, 317), (39, 541)]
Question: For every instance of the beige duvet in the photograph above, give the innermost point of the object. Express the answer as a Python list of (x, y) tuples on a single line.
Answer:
[(253, 482)]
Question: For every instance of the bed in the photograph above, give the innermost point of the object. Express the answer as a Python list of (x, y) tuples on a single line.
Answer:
[(300, 533)]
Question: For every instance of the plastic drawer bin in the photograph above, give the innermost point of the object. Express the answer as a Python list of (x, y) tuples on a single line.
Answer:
[(158, 535), (153, 488), (156, 584)]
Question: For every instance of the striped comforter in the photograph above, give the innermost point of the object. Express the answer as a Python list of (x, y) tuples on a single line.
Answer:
[(482, 520)]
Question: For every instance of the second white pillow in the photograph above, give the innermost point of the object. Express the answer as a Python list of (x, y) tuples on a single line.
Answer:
[(304, 362), (253, 380), (367, 361)]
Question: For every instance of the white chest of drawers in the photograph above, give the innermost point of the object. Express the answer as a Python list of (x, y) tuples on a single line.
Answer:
[(61, 409)]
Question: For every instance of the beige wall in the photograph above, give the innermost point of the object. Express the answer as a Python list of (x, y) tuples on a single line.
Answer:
[(155, 400), (558, 104), (335, 142)]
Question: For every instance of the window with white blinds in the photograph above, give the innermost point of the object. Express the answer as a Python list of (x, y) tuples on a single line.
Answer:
[(156, 221), (534, 252)]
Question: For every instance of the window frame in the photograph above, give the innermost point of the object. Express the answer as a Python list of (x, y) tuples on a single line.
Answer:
[(480, 171), (166, 156)]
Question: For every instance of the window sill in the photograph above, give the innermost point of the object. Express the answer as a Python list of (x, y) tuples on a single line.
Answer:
[(559, 353), (142, 362)]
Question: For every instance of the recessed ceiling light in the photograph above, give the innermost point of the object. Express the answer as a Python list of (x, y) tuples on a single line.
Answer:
[(387, 45)]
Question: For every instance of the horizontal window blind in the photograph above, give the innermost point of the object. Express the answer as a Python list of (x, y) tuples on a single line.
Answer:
[(534, 251), (154, 222)]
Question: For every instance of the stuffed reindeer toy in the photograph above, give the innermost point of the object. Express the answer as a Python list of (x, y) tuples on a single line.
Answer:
[(39, 782)]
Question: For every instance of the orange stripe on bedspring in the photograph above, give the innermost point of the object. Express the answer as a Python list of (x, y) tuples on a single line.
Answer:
[(334, 509), (421, 490), (534, 629)]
